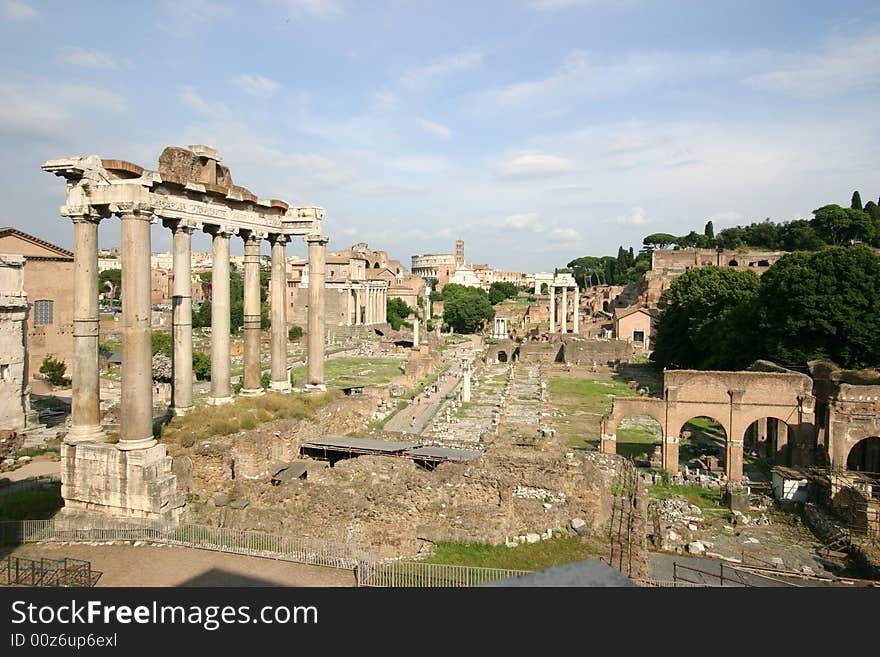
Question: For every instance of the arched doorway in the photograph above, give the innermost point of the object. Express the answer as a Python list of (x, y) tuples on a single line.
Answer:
[(865, 456), (702, 444), (768, 438), (637, 438)]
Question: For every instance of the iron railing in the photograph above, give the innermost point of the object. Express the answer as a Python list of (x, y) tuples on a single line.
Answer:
[(421, 574), (21, 571)]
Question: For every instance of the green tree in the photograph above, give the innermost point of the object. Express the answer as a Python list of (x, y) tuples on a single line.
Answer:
[(856, 203), (112, 276), (201, 365), (822, 305), (465, 309), (53, 369), (161, 343), (397, 310), (202, 318), (294, 333), (701, 306), (660, 240), (731, 238), (837, 225), (500, 291), (709, 231)]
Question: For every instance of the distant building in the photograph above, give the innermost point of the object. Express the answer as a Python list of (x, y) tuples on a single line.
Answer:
[(48, 285), (636, 325)]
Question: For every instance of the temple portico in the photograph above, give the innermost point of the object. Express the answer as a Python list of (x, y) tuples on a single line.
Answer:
[(566, 310), (190, 191)]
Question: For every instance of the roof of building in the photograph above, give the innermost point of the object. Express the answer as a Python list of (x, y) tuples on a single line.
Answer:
[(9, 231), (632, 310)]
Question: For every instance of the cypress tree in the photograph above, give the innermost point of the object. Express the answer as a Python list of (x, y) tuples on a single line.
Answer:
[(709, 230), (856, 201)]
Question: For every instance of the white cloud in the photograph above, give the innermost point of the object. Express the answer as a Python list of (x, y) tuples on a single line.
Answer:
[(256, 85), (847, 64), (636, 217), (434, 128), (420, 77), (98, 59), (536, 165), (182, 18), (383, 100), (192, 99), (523, 221), (565, 235), (318, 8), (18, 10)]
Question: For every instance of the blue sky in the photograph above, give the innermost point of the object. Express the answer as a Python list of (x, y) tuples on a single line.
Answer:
[(535, 130)]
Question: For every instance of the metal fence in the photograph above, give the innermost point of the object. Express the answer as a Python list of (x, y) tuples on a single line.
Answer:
[(420, 574), (310, 551), (20, 571)]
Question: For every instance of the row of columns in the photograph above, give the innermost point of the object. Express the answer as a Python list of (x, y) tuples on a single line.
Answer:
[(136, 416), (370, 305), (563, 324)]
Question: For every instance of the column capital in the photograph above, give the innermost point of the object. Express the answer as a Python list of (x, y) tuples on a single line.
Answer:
[(320, 240), (133, 210), (85, 214), (278, 238), (180, 226), (220, 230), (251, 236)]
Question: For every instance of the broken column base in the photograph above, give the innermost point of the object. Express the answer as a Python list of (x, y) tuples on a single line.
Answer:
[(99, 478)]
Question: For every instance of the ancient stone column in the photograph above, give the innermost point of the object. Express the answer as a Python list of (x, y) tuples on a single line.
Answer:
[(466, 381), (221, 389), (251, 377), (358, 303), (350, 307), (280, 381), (564, 321), (181, 319), (85, 409), (577, 303), (317, 258), (136, 412), (416, 333), (552, 290)]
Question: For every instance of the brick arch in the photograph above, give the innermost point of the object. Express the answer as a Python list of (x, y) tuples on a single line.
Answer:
[(874, 466)]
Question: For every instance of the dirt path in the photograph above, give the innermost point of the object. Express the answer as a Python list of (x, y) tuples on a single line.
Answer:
[(163, 565)]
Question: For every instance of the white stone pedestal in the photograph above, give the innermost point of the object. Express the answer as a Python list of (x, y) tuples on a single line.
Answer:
[(99, 477)]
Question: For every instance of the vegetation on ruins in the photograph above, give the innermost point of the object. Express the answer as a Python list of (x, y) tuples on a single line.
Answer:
[(112, 276), (466, 309), (807, 306), (161, 344), (54, 370), (244, 414), (396, 311), (831, 225), (294, 333), (499, 291), (536, 556)]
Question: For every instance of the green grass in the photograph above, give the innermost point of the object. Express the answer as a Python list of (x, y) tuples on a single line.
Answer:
[(588, 394), (706, 425), (634, 441), (31, 504), (523, 557), (705, 498), (349, 371)]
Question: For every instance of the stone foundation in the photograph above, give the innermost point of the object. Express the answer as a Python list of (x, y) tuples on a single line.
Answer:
[(98, 477)]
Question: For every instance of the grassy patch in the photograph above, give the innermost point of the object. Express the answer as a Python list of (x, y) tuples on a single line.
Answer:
[(582, 402), (705, 498), (706, 425), (31, 504), (523, 557), (345, 371), (245, 413)]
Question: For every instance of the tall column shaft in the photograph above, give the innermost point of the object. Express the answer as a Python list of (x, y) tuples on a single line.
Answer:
[(317, 259), (136, 416), (85, 407), (576, 318), (466, 383), (564, 320), (251, 380), (552, 290), (221, 389), (416, 333), (358, 303), (279, 380), (350, 307), (181, 320)]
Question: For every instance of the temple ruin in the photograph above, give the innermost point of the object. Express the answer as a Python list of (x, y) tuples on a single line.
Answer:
[(189, 191)]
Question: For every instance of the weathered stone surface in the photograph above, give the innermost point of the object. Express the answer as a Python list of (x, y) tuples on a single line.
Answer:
[(696, 547), (238, 504), (533, 538), (221, 500)]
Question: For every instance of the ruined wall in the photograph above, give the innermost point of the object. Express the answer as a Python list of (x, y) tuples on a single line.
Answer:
[(853, 415), (585, 351)]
